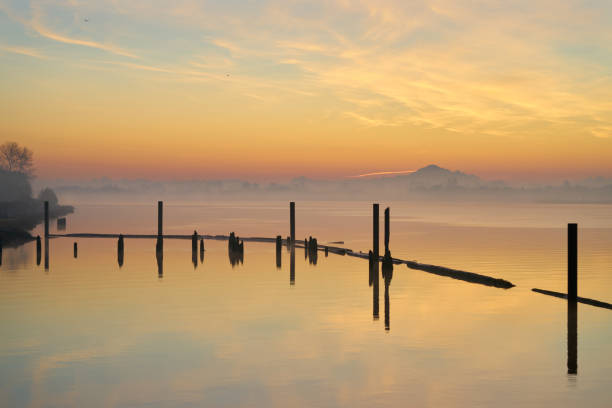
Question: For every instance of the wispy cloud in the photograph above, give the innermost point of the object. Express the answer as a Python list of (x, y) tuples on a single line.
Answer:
[(41, 30), (30, 52), (383, 173)]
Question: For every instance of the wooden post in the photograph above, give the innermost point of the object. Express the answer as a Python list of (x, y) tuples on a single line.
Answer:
[(375, 237), (160, 218), (572, 261), (75, 249), (292, 221), (46, 219), (387, 230)]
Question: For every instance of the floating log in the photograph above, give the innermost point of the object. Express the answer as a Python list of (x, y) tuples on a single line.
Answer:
[(460, 275), (438, 270), (586, 301)]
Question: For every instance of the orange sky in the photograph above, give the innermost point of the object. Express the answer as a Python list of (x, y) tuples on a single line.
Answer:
[(275, 90)]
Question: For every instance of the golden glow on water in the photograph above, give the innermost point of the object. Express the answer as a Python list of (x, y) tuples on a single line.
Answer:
[(87, 332)]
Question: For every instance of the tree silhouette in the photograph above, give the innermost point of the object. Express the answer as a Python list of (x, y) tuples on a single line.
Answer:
[(15, 158)]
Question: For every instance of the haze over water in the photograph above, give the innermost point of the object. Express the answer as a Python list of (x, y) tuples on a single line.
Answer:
[(88, 333)]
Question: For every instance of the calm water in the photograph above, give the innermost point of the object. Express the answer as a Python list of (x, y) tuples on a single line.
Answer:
[(87, 333)]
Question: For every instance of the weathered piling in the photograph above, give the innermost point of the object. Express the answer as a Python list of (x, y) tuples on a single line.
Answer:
[(572, 337), (292, 221), (375, 230), (38, 250), (120, 250), (572, 261), (235, 249), (46, 219), (75, 249), (326, 251), (160, 218), (279, 247), (194, 242), (312, 250), (289, 244), (387, 228)]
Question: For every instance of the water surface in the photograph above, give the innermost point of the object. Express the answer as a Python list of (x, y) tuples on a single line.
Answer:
[(87, 332)]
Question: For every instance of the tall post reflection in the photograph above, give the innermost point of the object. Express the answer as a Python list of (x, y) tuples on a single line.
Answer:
[(572, 337), (292, 266), (159, 255), (387, 271), (38, 250), (46, 253), (375, 290), (120, 250)]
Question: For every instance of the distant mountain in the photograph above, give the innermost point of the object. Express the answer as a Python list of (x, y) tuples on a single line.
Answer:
[(433, 176)]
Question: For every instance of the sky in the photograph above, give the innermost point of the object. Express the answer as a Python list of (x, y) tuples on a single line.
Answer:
[(271, 90)]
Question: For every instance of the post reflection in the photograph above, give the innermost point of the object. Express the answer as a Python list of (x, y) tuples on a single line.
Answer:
[(46, 253), (572, 337), (387, 271), (120, 250), (375, 290), (159, 255), (292, 266), (38, 250)]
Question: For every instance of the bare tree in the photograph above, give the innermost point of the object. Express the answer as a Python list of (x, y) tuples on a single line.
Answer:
[(15, 158)]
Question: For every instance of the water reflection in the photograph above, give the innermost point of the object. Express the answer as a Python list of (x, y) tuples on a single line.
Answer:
[(292, 266), (572, 337), (159, 255), (46, 253), (279, 245), (194, 249), (120, 250), (387, 271), (38, 250), (312, 251), (375, 291), (202, 251)]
